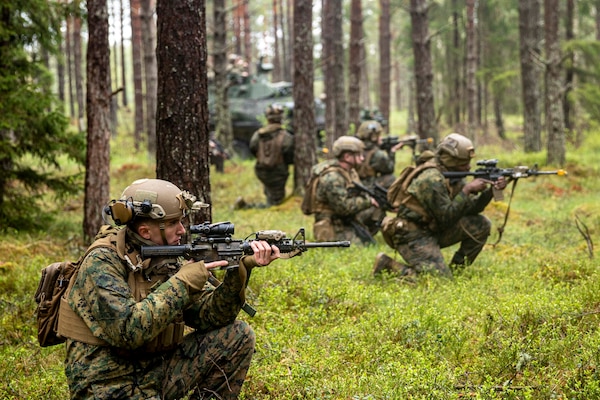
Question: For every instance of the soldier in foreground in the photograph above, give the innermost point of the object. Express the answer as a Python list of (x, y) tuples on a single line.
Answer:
[(125, 331), (435, 212), (273, 148), (329, 196)]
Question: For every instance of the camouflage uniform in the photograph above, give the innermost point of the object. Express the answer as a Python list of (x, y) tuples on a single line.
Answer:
[(378, 167), (273, 148), (212, 360), (337, 206), (454, 218)]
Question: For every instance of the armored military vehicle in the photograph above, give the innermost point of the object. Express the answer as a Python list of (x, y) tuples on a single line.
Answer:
[(249, 96)]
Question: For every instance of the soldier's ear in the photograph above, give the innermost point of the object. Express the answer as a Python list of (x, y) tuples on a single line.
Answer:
[(144, 230)]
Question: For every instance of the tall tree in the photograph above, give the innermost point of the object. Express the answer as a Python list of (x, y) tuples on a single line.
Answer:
[(97, 173), (427, 125), (182, 114), (223, 126), (554, 87), (77, 63), (471, 68), (123, 69), (338, 89), (570, 70), (385, 64), (149, 41), (136, 53), (277, 70), (529, 48), (304, 102), (356, 64)]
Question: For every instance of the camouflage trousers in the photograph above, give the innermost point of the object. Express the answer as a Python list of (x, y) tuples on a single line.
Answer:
[(371, 218), (273, 180), (203, 366), (421, 249), (328, 229)]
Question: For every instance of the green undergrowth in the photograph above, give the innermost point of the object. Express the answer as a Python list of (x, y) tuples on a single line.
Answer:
[(521, 323)]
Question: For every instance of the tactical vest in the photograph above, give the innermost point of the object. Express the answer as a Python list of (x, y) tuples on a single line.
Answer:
[(398, 194), (270, 148), (364, 169), (143, 277), (310, 203)]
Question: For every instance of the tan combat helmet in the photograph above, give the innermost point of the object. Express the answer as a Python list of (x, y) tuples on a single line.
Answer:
[(274, 113), (369, 130), (347, 144), (150, 198), (455, 150)]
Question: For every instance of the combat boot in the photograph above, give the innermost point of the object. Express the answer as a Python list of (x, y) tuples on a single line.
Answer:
[(240, 204), (383, 262)]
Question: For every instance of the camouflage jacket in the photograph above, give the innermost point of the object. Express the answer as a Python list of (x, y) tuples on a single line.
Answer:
[(102, 297), (443, 201), (333, 191)]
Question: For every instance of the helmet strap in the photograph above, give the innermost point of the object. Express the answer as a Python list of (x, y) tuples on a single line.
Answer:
[(161, 226)]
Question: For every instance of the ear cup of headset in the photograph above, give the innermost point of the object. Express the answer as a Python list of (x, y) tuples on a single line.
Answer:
[(121, 211)]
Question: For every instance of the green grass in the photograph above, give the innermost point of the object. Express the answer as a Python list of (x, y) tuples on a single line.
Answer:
[(521, 323)]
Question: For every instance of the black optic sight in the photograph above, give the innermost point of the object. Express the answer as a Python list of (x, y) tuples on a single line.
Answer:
[(488, 163), (217, 229)]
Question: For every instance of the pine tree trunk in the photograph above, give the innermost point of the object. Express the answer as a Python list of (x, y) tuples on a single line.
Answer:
[(471, 69), (554, 107), (223, 128), (356, 63), (97, 175), (149, 41), (182, 113), (77, 65), (423, 70), (304, 101), (138, 78), (529, 35), (384, 59)]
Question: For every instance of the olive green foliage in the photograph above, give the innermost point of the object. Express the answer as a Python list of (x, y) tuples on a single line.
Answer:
[(33, 131), (588, 72), (521, 323)]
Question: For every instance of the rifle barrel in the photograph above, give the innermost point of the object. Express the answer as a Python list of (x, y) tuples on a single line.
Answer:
[(343, 243)]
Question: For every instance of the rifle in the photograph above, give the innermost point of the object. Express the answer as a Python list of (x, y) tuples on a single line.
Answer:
[(488, 170), (390, 141), (379, 193), (215, 242)]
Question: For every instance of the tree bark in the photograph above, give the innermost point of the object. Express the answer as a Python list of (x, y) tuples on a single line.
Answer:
[(149, 41), (423, 70), (471, 69), (136, 51), (304, 102), (77, 65), (182, 113), (97, 172), (529, 38), (384, 59), (554, 92), (223, 128), (356, 63), (570, 74)]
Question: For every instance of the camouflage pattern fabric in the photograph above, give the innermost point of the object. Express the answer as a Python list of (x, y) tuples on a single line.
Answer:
[(273, 177), (456, 219), (214, 358), (378, 166), (344, 205)]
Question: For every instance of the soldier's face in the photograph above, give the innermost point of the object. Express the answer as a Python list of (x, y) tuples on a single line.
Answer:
[(354, 159), (173, 230)]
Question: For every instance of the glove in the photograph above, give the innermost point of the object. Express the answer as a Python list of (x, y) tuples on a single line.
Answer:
[(194, 275)]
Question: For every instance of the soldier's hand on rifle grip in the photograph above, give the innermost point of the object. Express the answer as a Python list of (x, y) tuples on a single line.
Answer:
[(374, 202), (500, 183), (477, 185)]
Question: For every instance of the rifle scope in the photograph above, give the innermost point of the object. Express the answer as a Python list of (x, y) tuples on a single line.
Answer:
[(217, 229)]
